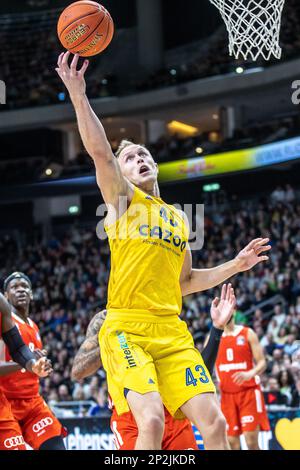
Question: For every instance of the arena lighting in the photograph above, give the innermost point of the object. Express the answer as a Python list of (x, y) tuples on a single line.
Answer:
[(240, 70), (177, 126), (173, 72), (209, 188), (48, 172), (199, 150), (73, 210)]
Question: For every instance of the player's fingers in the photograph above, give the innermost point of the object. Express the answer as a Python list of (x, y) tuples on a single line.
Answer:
[(60, 59), (64, 62), (215, 302), (228, 292), (252, 243), (223, 292), (261, 249), (74, 63), (85, 65), (263, 258)]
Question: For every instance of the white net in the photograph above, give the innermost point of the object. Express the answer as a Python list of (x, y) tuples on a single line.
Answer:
[(253, 27)]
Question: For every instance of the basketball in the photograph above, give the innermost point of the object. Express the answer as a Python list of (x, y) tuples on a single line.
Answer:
[(85, 28)]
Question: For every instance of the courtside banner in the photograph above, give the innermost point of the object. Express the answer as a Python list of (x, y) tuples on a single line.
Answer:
[(88, 434), (230, 162)]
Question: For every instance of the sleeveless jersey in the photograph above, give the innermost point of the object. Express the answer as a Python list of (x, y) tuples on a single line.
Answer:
[(235, 355), (148, 245), (21, 384)]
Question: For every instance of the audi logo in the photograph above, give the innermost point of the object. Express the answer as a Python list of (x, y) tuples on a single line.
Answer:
[(43, 423), (14, 442)]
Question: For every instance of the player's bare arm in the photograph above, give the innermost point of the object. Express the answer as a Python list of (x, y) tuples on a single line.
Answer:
[(87, 360), (109, 177), (197, 280), (259, 359)]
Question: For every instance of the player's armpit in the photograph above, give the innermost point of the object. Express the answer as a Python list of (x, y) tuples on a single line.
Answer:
[(87, 360)]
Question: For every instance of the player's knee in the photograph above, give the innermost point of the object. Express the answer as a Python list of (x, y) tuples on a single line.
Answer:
[(252, 443), (218, 427), (152, 423)]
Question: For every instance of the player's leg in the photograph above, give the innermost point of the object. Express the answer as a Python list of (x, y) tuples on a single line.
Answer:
[(40, 427), (186, 386), (230, 409), (251, 409), (124, 429), (149, 415), (251, 438), (234, 442), (205, 413), (54, 443), (178, 435), (132, 380), (11, 437)]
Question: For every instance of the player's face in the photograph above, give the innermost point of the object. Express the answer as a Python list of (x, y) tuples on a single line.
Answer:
[(19, 293), (138, 166)]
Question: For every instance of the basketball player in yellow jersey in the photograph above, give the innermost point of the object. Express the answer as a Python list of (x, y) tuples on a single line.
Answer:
[(147, 351)]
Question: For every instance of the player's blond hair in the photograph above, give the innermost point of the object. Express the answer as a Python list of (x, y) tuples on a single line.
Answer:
[(123, 145)]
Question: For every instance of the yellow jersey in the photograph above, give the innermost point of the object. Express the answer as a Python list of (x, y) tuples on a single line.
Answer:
[(148, 245)]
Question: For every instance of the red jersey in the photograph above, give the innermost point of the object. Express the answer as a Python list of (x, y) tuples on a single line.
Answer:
[(21, 384), (235, 355)]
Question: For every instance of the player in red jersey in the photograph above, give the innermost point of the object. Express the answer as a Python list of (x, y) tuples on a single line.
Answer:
[(178, 434), (40, 428), (240, 361), (11, 437)]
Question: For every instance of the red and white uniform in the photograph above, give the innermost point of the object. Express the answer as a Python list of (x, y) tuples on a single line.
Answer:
[(242, 405), (178, 434), (11, 437), (21, 389)]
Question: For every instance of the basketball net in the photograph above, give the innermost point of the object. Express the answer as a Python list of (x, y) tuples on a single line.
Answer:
[(253, 27)]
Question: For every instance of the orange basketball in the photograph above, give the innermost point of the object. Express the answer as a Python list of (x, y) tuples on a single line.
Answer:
[(85, 28)]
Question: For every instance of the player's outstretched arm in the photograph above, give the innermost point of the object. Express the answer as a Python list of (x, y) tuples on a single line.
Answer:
[(259, 359), (109, 177), (87, 360), (221, 312), (197, 280)]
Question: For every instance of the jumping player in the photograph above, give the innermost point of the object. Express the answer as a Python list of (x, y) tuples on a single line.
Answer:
[(40, 428), (147, 351), (10, 433), (240, 361), (178, 434)]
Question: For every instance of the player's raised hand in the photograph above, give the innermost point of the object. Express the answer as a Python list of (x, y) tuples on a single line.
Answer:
[(42, 367), (253, 254), (71, 75), (222, 308)]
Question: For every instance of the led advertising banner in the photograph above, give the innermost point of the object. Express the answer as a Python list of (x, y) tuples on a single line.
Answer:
[(230, 162)]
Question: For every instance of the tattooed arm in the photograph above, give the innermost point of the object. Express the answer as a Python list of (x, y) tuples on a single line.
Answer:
[(87, 360)]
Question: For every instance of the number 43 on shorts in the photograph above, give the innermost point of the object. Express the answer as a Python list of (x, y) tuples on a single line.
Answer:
[(190, 378)]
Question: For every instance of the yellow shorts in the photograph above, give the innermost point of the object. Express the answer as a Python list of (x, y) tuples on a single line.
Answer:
[(152, 356)]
